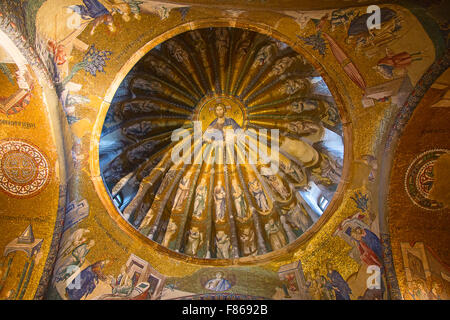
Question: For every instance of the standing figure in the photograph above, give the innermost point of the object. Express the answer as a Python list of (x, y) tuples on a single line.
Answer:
[(170, 231), (341, 289), (195, 240), (223, 245), (238, 196), (247, 237), (243, 44), (275, 234), (221, 41), (260, 197), (219, 200), (145, 226), (200, 199), (182, 192)]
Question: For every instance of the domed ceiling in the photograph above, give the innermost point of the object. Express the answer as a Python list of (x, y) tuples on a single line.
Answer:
[(222, 143)]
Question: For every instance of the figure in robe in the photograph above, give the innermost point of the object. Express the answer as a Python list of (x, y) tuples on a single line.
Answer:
[(170, 231), (304, 128), (145, 226), (313, 287), (260, 197), (75, 261), (264, 55), (294, 172), (298, 218), (219, 201), (194, 241), (324, 288), (123, 285), (239, 201), (341, 289), (182, 192), (281, 65), (369, 246), (221, 122), (93, 9), (177, 51), (247, 237), (243, 44), (275, 234), (303, 105), (219, 283), (168, 178), (85, 283), (200, 199), (223, 245), (291, 86), (222, 41), (278, 186)]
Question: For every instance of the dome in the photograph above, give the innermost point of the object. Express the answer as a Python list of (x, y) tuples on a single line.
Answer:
[(222, 143)]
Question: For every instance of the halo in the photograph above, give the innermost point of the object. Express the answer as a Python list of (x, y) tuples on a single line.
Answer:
[(227, 106)]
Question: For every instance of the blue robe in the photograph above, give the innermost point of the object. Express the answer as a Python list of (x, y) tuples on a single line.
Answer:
[(373, 242), (222, 285), (91, 9), (83, 285), (340, 286), (228, 122)]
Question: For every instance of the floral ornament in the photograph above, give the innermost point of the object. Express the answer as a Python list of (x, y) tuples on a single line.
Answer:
[(94, 60), (316, 41), (361, 201), (184, 11)]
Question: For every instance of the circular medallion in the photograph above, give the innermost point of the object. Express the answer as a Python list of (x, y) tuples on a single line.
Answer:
[(419, 179), (24, 170), (232, 107)]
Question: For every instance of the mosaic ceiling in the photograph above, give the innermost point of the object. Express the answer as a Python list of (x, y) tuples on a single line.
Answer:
[(222, 143)]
